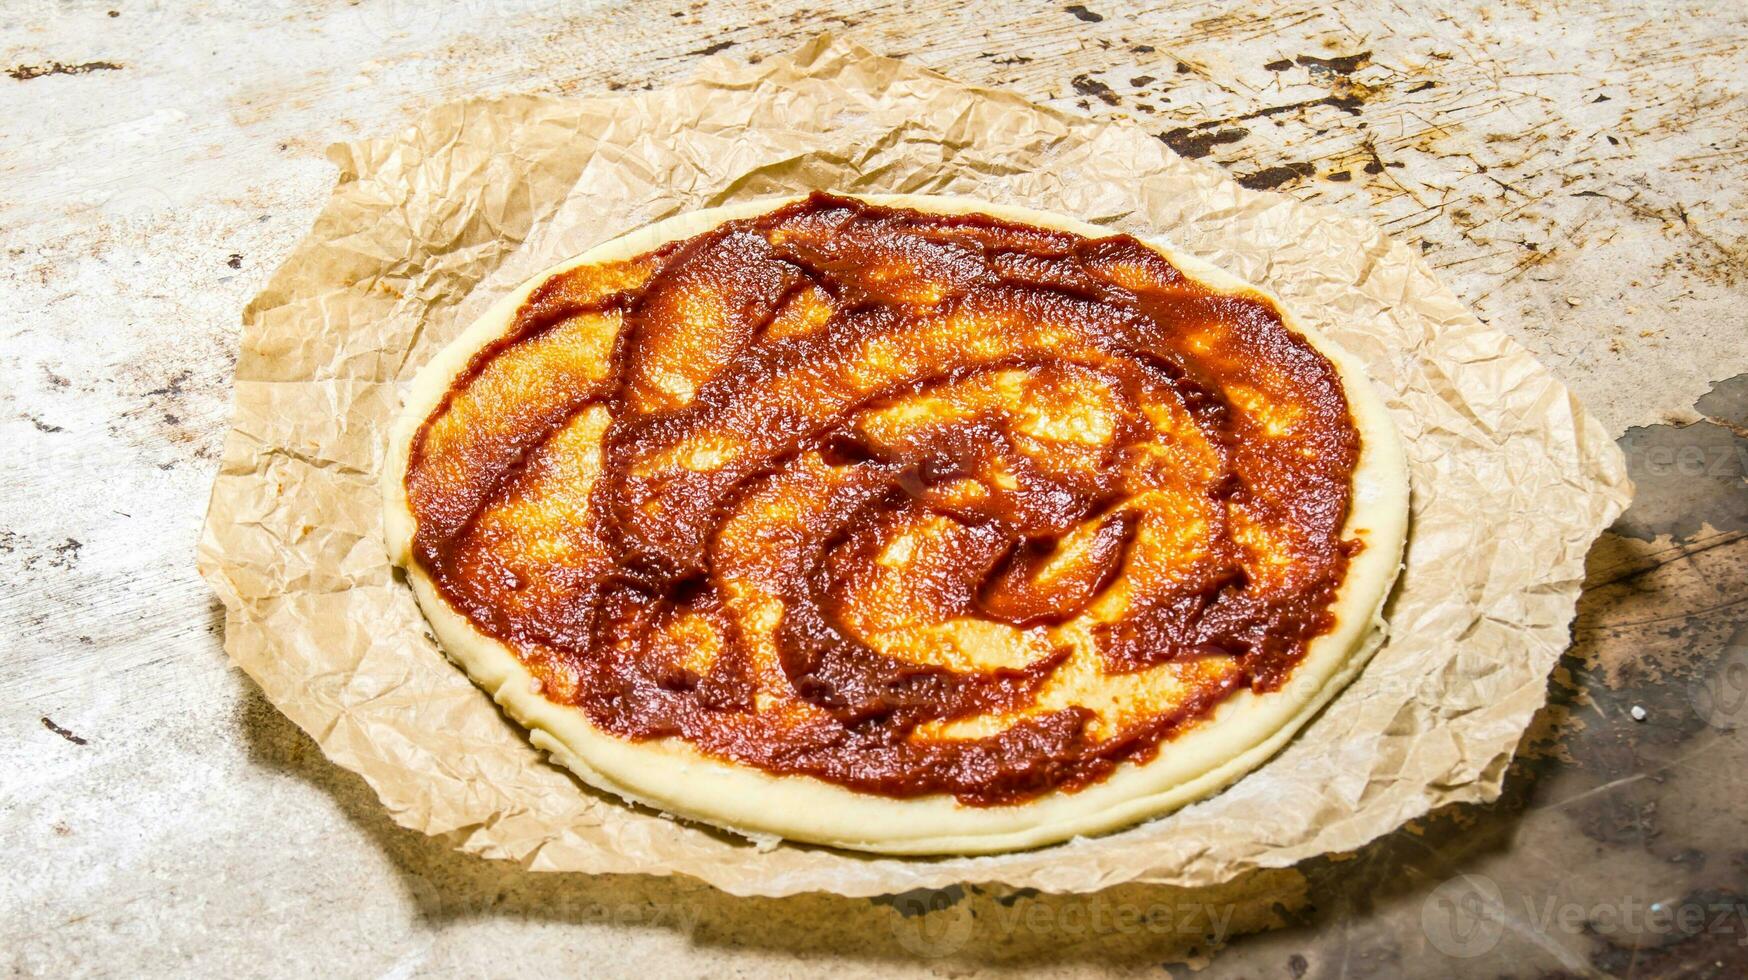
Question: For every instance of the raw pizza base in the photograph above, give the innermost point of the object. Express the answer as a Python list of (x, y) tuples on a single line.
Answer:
[(670, 774)]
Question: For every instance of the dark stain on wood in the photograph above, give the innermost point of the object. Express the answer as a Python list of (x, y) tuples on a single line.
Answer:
[(1080, 11), (1687, 475), (1195, 144), (1344, 65), (922, 901), (1088, 85), (1274, 177), (66, 554)]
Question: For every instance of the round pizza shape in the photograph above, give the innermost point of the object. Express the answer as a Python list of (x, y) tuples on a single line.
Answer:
[(915, 525)]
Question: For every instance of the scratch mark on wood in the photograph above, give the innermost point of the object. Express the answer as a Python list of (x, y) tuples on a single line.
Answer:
[(58, 730), (25, 73)]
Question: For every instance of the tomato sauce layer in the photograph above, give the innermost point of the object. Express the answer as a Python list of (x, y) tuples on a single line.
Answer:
[(906, 502)]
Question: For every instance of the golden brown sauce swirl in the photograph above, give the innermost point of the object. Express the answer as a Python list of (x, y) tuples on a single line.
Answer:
[(910, 503)]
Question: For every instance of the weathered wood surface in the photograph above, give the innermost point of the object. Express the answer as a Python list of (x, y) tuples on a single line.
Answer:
[(1575, 170)]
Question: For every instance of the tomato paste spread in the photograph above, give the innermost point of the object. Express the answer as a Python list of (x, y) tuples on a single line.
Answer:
[(907, 502)]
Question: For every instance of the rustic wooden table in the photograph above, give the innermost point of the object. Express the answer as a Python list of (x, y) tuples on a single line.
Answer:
[(1576, 170)]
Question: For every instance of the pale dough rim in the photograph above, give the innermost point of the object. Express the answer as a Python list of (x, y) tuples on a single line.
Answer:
[(670, 774)]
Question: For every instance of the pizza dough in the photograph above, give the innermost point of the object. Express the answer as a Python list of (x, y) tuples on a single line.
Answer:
[(1078, 708)]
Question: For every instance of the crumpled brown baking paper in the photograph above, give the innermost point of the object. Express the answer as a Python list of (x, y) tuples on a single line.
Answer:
[(1512, 480)]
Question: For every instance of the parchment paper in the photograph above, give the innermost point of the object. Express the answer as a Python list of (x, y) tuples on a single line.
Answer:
[(1512, 480)]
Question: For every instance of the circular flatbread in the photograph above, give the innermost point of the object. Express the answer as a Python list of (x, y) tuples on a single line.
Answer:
[(915, 525)]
